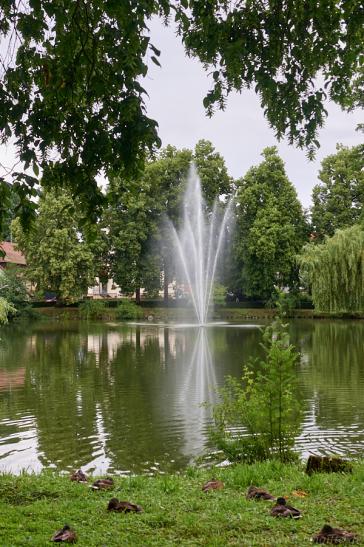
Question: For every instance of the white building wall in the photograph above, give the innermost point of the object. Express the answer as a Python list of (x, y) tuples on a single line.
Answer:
[(111, 289)]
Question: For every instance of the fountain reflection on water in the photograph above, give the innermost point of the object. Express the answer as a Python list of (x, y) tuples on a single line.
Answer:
[(197, 393), (198, 245)]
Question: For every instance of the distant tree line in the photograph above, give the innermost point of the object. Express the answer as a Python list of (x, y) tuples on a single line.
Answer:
[(275, 245)]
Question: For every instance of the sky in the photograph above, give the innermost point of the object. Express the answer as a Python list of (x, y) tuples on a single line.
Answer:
[(239, 133)]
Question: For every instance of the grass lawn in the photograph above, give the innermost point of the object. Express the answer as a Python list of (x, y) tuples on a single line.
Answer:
[(177, 512)]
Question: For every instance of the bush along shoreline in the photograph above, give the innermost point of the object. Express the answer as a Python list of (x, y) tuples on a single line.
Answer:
[(105, 312), (197, 507), (258, 416)]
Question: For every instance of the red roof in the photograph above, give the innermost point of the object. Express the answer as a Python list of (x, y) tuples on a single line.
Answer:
[(12, 256)]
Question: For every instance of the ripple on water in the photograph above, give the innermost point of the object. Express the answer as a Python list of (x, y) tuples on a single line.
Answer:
[(342, 440), (19, 445)]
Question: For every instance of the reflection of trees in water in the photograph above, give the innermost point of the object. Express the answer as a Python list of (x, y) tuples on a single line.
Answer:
[(164, 379), (79, 386), (59, 393), (333, 369), (160, 380), (119, 397), (131, 404)]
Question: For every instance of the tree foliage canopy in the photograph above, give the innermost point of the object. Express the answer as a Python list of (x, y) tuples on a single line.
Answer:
[(8, 209), (131, 225), (12, 286), (270, 228), (140, 240), (335, 271), (71, 95), (58, 256), (338, 200)]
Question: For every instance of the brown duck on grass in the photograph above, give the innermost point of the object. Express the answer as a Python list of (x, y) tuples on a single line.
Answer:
[(334, 536), (78, 476), (66, 535), (281, 509), (103, 484), (213, 484), (255, 493), (123, 506)]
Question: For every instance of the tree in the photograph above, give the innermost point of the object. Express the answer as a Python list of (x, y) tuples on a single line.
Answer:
[(167, 175), (335, 271), (59, 258), (134, 220), (270, 228), (170, 173), (71, 96), (141, 241), (338, 201), (211, 168), (131, 229)]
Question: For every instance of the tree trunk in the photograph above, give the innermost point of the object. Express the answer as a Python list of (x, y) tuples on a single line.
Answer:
[(137, 295)]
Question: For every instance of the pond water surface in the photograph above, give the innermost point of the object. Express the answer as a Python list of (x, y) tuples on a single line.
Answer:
[(126, 398)]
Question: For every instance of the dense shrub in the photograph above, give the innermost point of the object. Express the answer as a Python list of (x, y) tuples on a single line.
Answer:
[(219, 294), (12, 286), (127, 311), (258, 417), (286, 302), (14, 291), (92, 309)]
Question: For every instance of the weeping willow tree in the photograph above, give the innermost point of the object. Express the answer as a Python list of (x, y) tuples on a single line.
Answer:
[(335, 271)]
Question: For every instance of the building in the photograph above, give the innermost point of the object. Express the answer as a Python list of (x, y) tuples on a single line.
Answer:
[(104, 290), (12, 256)]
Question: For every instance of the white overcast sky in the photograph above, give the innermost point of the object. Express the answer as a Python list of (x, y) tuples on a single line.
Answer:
[(239, 133)]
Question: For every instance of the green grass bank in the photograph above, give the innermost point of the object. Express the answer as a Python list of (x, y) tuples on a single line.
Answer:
[(177, 512)]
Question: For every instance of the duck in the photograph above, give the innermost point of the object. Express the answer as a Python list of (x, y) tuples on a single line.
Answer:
[(103, 484), (281, 509), (255, 493), (66, 535), (213, 484), (78, 476), (123, 506), (334, 536)]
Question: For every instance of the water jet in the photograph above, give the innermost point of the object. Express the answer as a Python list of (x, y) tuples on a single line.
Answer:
[(198, 245)]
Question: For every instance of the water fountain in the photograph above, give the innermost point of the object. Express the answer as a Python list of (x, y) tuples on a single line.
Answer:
[(198, 245)]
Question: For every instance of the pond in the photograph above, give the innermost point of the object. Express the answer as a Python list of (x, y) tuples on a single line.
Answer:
[(126, 398)]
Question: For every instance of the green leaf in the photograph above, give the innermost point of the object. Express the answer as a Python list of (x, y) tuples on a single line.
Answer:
[(35, 169), (155, 60)]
